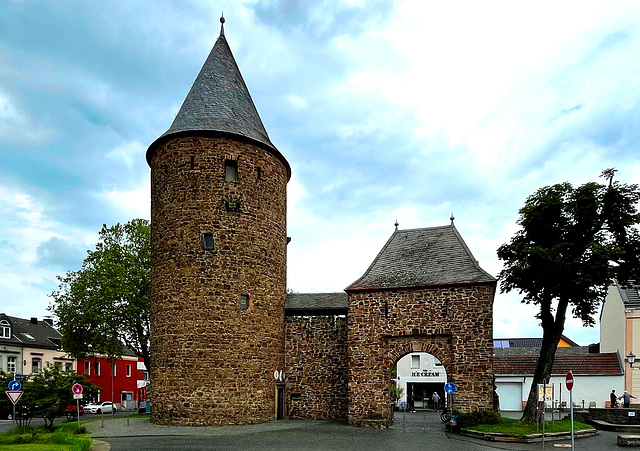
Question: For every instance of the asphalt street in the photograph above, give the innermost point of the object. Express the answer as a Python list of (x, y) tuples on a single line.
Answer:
[(419, 430)]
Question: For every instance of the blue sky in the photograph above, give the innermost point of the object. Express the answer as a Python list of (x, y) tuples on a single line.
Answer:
[(409, 110)]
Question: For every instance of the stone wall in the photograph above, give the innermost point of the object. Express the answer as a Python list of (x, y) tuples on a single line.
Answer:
[(453, 323), (613, 416), (316, 356), (213, 360)]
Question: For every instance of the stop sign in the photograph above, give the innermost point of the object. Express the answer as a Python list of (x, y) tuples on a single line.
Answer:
[(569, 380)]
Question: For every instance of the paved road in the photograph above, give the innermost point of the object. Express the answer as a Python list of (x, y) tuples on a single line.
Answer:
[(418, 430)]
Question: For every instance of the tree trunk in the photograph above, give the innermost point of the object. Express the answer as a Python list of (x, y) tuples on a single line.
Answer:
[(551, 333)]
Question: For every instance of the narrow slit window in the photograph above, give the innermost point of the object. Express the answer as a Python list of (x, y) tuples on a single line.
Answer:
[(259, 173), (207, 241), (193, 162), (231, 170), (244, 301)]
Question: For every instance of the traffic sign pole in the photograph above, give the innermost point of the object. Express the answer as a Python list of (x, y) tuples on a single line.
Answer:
[(569, 382)]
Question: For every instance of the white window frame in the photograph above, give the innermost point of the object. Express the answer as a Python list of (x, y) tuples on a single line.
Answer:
[(128, 370), (96, 367), (415, 361), (87, 368), (12, 362)]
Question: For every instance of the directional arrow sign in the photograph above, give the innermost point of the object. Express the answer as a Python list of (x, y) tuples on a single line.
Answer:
[(14, 396), (15, 385)]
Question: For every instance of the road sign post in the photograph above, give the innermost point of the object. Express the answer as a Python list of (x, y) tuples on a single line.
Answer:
[(77, 394), (569, 382)]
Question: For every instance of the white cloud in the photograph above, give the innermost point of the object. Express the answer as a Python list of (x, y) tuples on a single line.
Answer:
[(17, 126)]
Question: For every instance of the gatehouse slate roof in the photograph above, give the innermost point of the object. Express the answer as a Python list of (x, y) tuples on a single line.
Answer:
[(605, 364), (423, 257), (219, 102), (308, 304)]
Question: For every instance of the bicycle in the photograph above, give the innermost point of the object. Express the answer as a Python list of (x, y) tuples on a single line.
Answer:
[(445, 416)]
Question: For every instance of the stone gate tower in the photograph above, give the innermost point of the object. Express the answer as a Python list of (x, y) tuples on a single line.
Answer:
[(218, 230)]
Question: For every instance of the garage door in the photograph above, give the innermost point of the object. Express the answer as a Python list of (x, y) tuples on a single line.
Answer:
[(510, 394)]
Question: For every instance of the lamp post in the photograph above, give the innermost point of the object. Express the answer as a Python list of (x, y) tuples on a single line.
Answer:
[(631, 358)]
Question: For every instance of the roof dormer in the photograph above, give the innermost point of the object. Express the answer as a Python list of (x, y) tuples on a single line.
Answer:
[(5, 329)]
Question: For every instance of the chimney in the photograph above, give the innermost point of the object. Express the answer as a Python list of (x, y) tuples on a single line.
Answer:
[(34, 320)]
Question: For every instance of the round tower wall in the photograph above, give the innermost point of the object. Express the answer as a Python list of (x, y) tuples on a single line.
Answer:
[(217, 313)]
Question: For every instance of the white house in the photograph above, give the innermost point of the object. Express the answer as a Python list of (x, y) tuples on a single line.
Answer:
[(595, 375), (420, 374)]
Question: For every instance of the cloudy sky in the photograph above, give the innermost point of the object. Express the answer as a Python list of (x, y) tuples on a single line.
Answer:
[(407, 110)]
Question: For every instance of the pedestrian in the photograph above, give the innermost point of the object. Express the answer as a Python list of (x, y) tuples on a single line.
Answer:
[(626, 399), (410, 404), (436, 400), (613, 398)]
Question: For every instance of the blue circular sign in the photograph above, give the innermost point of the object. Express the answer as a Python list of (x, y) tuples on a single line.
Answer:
[(15, 385), (450, 388)]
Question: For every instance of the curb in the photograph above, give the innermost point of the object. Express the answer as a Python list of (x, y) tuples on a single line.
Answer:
[(99, 445), (534, 438)]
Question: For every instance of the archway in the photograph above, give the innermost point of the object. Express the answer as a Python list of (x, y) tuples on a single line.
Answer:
[(417, 377)]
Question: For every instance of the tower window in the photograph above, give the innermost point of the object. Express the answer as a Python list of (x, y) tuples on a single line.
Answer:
[(259, 173), (244, 301), (193, 162), (231, 170), (207, 241)]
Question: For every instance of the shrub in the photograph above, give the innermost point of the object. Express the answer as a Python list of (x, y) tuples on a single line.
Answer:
[(483, 416)]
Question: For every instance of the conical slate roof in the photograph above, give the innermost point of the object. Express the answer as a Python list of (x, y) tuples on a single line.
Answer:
[(423, 257), (219, 102)]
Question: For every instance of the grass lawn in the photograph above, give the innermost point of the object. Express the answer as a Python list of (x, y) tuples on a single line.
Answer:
[(518, 428), (64, 437)]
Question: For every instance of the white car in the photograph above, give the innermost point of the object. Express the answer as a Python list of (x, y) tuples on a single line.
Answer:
[(103, 407)]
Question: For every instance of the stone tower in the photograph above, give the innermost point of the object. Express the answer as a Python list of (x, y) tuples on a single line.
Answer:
[(218, 231)]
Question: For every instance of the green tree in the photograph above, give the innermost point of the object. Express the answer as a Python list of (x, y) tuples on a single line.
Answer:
[(106, 303), (573, 243), (48, 393)]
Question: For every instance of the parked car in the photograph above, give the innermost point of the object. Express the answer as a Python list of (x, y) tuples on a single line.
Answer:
[(70, 411), (103, 407)]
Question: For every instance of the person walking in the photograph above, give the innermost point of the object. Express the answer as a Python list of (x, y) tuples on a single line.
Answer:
[(626, 399), (436, 400), (613, 398)]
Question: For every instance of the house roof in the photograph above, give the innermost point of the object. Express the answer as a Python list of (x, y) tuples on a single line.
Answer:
[(219, 103), (630, 295), (307, 304), (606, 364), (526, 342), (31, 333), (423, 257)]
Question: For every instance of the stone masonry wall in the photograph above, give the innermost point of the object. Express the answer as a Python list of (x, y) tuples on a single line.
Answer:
[(213, 361), (453, 323), (316, 358)]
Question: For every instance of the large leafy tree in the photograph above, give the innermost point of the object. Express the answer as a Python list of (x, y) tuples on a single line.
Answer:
[(106, 303), (573, 243)]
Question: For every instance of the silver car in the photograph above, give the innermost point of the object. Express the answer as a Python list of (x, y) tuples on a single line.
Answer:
[(103, 407)]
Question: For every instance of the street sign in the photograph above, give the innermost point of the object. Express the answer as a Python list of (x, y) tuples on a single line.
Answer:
[(15, 386), (75, 396), (77, 389), (14, 396), (450, 388), (569, 380)]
